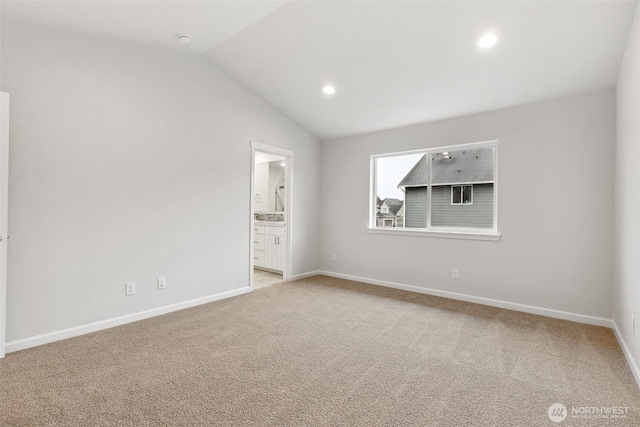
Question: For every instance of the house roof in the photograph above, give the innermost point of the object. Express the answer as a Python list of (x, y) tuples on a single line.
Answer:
[(418, 175), (385, 215), (394, 204), (463, 166)]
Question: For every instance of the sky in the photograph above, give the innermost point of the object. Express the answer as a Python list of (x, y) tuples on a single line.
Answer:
[(390, 171)]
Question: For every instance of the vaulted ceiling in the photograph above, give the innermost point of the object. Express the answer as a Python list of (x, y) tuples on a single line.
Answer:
[(392, 63)]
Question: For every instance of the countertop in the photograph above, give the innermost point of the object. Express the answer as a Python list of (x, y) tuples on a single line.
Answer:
[(270, 223)]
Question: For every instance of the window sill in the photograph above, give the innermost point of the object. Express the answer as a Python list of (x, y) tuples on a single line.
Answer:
[(492, 235)]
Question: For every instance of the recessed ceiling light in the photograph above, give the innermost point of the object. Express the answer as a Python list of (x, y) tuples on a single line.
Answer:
[(329, 90), (487, 41), (183, 38)]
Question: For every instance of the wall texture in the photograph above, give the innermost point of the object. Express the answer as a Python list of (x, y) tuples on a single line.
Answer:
[(129, 164), (555, 208), (627, 196)]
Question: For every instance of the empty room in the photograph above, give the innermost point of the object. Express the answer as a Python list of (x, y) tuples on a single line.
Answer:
[(319, 213)]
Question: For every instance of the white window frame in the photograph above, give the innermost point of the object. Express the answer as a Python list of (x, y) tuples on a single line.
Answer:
[(461, 202), (490, 234)]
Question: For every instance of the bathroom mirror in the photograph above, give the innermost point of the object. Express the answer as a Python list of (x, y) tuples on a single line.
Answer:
[(269, 183)]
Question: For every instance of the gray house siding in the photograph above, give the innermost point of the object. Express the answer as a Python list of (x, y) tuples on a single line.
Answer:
[(477, 215), (415, 212)]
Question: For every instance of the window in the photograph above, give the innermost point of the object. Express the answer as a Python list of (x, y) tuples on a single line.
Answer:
[(462, 194), (449, 189)]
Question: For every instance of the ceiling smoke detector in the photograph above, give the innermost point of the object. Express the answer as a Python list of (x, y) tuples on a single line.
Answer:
[(184, 38)]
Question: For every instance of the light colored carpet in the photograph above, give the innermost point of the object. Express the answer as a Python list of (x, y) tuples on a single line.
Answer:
[(322, 352)]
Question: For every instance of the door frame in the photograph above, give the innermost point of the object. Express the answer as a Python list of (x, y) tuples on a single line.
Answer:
[(288, 212), (4, 190)]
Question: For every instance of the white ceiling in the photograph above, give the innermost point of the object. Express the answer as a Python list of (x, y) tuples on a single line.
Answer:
[(393, 63), (147, 22)]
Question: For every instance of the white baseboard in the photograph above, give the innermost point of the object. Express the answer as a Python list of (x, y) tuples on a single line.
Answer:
[(304, 275), (627, 353), (117, 321), (557, 314)]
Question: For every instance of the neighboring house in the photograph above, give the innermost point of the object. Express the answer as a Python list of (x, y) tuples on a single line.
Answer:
[(400, 217), (388, 212), (461, 193)]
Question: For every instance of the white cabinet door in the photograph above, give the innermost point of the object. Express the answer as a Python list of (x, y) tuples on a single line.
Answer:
[(274, 230), (268, 247), (273, 252)]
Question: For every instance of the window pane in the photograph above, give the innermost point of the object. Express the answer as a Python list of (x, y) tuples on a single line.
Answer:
[(466, 194), (462, 187), (390, 173), (449, 187), (455, 198)]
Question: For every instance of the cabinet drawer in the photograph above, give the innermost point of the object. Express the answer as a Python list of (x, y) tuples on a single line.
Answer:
[(274, 231), (258, 258), (258, 242), (258, 229)]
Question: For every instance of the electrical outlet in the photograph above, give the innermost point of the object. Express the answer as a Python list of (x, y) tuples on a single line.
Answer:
[(455, 274), (130, 289), (334, 257), (633, 324), (162, 283)]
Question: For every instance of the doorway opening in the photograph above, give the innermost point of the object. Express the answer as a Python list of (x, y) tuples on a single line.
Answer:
[(270, 215)]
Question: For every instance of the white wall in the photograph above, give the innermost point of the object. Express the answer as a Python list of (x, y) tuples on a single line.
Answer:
[(626, 297), (261, 187), (129, 164), (555, 208)]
